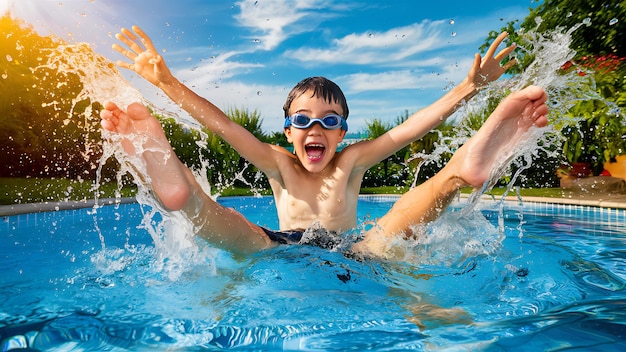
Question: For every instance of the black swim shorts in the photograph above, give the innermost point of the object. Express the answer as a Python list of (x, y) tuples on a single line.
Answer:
[(284, 237), (315, 236)]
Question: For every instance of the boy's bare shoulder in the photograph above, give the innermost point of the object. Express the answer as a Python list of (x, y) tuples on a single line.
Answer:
[(281, 150), (350, 154)]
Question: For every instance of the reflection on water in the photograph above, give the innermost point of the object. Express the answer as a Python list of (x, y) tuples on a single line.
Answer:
[(561, 283)]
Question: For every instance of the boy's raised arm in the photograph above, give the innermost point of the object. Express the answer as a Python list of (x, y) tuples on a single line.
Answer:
[(146, 61), (483, 71)]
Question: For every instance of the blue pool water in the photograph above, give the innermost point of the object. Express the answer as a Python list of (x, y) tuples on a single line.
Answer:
[(519, 278)]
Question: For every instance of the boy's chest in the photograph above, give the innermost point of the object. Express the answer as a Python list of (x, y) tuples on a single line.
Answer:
[(317, 193), (315, 198)]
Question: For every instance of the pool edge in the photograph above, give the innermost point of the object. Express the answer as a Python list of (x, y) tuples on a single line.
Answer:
[(16, 209), (26, 208)]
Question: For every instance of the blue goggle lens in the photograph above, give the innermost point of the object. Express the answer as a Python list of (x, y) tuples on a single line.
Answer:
[(329, 122)]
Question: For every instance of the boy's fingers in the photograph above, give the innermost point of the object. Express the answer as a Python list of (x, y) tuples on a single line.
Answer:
[(133, 45), (129, 54), (118, 48), (124, 64), (495, 44), (505, 52), (145, 40), (122, 38), (509, 64), (128, 33)]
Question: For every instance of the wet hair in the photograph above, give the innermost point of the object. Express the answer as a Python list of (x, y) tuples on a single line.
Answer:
[(321, 87)]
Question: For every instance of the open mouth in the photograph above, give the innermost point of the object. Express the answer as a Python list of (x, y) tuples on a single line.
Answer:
[(314, 151)]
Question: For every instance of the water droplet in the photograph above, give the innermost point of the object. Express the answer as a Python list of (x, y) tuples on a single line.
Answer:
[(453, 34), (371, 35), (259, 93), (613, 21), (189, 59), (4, 75), (452, 22), (256, 40), (587, 21), (9, 58)]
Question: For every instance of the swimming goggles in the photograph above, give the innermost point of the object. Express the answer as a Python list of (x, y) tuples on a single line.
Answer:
[(329, 122)]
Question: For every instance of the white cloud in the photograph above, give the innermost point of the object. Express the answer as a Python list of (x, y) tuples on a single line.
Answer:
[(216, 69), (273, 21), (386, 47), (447, 70), (360, 82), (266, 99)]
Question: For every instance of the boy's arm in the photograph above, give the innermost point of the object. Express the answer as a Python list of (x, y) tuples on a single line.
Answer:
[(483, 71), (150, 65)]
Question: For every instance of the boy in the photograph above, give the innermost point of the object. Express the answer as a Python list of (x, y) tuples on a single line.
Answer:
[(316, 185)]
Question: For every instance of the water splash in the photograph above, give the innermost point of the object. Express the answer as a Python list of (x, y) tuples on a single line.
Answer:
[(176, 249), (551, 50)]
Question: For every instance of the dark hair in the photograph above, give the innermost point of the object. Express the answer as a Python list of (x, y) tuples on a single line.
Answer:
[(321, 87)]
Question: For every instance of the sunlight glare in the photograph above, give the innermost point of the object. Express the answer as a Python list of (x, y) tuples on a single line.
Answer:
[(5, 5)]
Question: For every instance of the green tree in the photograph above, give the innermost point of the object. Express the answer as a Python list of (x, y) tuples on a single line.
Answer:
[(244, 173), (392, 170), (428, 154), (47, 130), (600, 45), (205, 150), (377, 175), (251, 121), (603, 29), (278, 138)]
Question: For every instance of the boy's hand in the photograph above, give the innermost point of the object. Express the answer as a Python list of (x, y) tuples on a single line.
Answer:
[(146, 60), (490, 68)]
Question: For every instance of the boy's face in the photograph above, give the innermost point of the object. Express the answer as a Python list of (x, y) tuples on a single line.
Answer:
[(315, 146)]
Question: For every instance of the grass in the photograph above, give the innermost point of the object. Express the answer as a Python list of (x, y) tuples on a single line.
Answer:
[(34, 190), (384, 190), (530, 192)]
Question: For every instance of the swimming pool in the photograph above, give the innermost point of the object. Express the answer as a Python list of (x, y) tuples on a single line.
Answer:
[(520, 277)]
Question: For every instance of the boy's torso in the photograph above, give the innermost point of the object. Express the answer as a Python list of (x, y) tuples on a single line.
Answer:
[(327, 198)]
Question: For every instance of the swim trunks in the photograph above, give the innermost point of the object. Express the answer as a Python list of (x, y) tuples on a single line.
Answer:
[(284, 237), (314, 236)]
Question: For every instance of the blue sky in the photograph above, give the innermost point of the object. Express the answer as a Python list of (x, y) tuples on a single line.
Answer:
[(388, 56)]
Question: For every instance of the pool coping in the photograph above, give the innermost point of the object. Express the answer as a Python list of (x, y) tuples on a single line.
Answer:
[(26, 208), (618, 202), (590, 202)]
